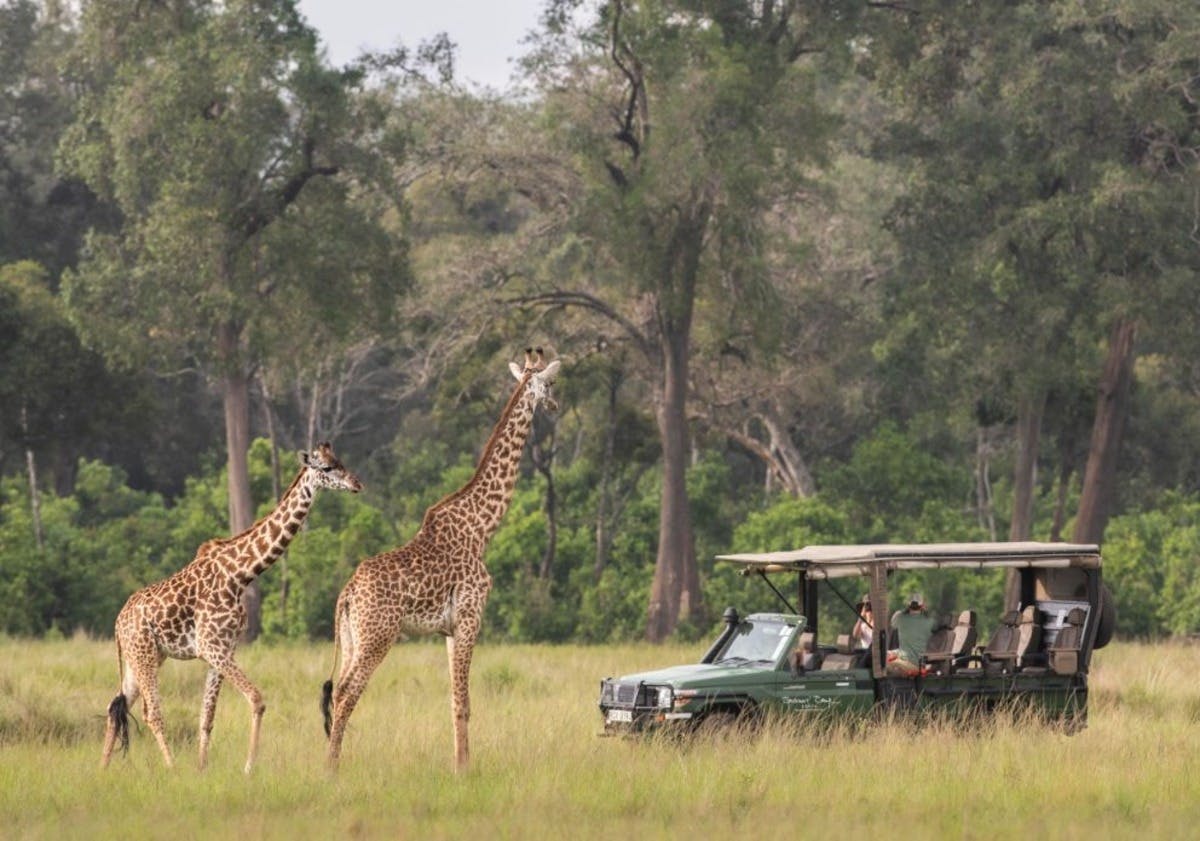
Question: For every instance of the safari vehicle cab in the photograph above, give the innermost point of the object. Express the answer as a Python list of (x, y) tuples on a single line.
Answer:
[(1038, 653)]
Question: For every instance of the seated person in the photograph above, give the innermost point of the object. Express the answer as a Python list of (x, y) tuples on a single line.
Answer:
[(914, 627), (864, 627)]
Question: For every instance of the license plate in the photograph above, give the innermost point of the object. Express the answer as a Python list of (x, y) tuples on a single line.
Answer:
[(620, 717)]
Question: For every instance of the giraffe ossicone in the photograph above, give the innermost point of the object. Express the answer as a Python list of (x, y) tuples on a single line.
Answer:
[(437, 582), (198, 613)]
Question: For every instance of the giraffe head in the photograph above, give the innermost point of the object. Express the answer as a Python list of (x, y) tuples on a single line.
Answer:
[(327, 471), (538, 377)]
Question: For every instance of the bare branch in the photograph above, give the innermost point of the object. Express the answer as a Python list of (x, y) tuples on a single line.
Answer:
[(564, 299)]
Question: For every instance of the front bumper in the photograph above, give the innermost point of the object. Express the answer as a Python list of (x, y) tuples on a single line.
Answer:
[(635, 706)]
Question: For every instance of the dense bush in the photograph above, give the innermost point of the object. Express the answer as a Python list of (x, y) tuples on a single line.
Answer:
[(105, 540)]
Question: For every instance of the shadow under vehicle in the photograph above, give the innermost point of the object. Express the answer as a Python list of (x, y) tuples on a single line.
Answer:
[(1037, 657)]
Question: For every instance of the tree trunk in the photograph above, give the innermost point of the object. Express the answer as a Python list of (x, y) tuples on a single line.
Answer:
[(675, 591), (235, 394), (542, 452), (276, 493), (984, 508), (1029, 426), (790, 465), (604, 503), (35, 504), (1065, 470), (1112, 406)]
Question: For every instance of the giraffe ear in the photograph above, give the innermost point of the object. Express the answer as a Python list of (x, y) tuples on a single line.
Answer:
[(305, 457), (551, 371), (516, 370)]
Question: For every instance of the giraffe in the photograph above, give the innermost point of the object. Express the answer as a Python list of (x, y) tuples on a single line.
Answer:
[(437, 582), (198, 612)]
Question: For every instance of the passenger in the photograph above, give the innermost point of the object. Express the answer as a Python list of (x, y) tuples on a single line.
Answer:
[(914, 627), (864, 626)]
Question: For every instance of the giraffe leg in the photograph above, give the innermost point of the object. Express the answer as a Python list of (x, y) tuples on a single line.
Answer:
[(145, 673), (459, 649), (350, 686), (231, 672), (212, 688)]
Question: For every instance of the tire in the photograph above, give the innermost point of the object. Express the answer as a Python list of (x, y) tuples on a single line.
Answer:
[(1108, 618), (717, 721)]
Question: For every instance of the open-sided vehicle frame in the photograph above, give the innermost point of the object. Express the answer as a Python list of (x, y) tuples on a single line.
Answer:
[(1058, 613)]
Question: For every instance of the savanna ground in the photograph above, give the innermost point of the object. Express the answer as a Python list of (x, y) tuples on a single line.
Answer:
[(540, 771)]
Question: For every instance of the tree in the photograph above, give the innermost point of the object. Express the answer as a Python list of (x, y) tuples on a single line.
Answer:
[(687, 124), (56, 397), (42, 216), (1057, 145), (232, 152)]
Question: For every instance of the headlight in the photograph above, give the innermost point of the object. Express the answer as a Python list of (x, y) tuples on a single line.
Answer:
[(664, 697)]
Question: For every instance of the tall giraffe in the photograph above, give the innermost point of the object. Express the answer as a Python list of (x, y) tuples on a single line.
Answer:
[(198, 612), (437, 582)]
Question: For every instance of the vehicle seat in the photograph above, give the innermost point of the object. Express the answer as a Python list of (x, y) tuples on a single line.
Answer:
[(960, 641), (939, 649), (805, 658), (1064, 653), (1029, 638), (1000, 653), (845, 657)]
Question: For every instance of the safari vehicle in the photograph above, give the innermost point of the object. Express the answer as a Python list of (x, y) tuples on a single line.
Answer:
[(1038, 655)]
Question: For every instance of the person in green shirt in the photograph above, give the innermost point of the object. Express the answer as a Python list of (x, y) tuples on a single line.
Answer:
[(914, 627)]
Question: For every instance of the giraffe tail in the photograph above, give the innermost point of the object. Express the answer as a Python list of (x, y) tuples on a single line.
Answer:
[(327, 687), (327, 705), (118, 718)]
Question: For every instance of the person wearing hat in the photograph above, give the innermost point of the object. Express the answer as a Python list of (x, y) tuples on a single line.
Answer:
[(914, 627), (864, 627)]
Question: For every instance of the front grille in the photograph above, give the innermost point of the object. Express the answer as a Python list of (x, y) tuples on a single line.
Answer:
[(628, 695)]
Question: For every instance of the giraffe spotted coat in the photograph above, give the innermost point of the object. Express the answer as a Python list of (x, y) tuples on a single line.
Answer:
[(198, 612), (436, 583)]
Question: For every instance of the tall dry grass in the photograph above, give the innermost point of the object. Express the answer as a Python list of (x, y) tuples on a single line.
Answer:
[(540, 770)]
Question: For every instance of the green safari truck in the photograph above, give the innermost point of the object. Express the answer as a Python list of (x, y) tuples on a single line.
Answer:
[(1038, 654)]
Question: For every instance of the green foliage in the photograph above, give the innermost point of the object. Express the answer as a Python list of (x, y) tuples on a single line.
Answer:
[(100, 543), (1150, 567), (887, 483)]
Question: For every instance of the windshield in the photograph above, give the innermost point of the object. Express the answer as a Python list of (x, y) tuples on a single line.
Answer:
[(756, 642)]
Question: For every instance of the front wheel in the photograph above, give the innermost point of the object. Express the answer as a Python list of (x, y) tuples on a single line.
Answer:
[(721, 722)]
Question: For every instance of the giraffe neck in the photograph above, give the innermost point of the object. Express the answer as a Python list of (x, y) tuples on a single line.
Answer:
[(489, 492), (266, 540)]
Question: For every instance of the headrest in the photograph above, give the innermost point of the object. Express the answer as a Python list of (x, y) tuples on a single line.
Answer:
[(967, 617), (1076, 616), (806, 641), (844, 646), (1029, 614), (1011, 617)]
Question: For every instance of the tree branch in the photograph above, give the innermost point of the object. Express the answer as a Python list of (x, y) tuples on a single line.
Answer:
[(289, 192), (582, 300)]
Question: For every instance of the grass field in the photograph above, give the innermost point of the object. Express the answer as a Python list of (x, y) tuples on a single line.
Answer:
[(540, 771)]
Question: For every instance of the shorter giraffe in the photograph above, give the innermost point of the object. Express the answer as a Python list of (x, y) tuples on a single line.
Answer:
[(437, 582), (198, 612)]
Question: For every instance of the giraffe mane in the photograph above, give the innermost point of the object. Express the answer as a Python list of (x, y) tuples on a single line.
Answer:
[(488, 448)]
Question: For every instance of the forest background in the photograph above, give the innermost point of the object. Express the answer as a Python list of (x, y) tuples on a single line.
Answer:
[(818, 272)]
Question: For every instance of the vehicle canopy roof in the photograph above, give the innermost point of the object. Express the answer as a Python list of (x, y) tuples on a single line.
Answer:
[(848, 561)]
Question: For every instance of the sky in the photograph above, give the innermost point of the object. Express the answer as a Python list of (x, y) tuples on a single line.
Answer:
[(488, 32)]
